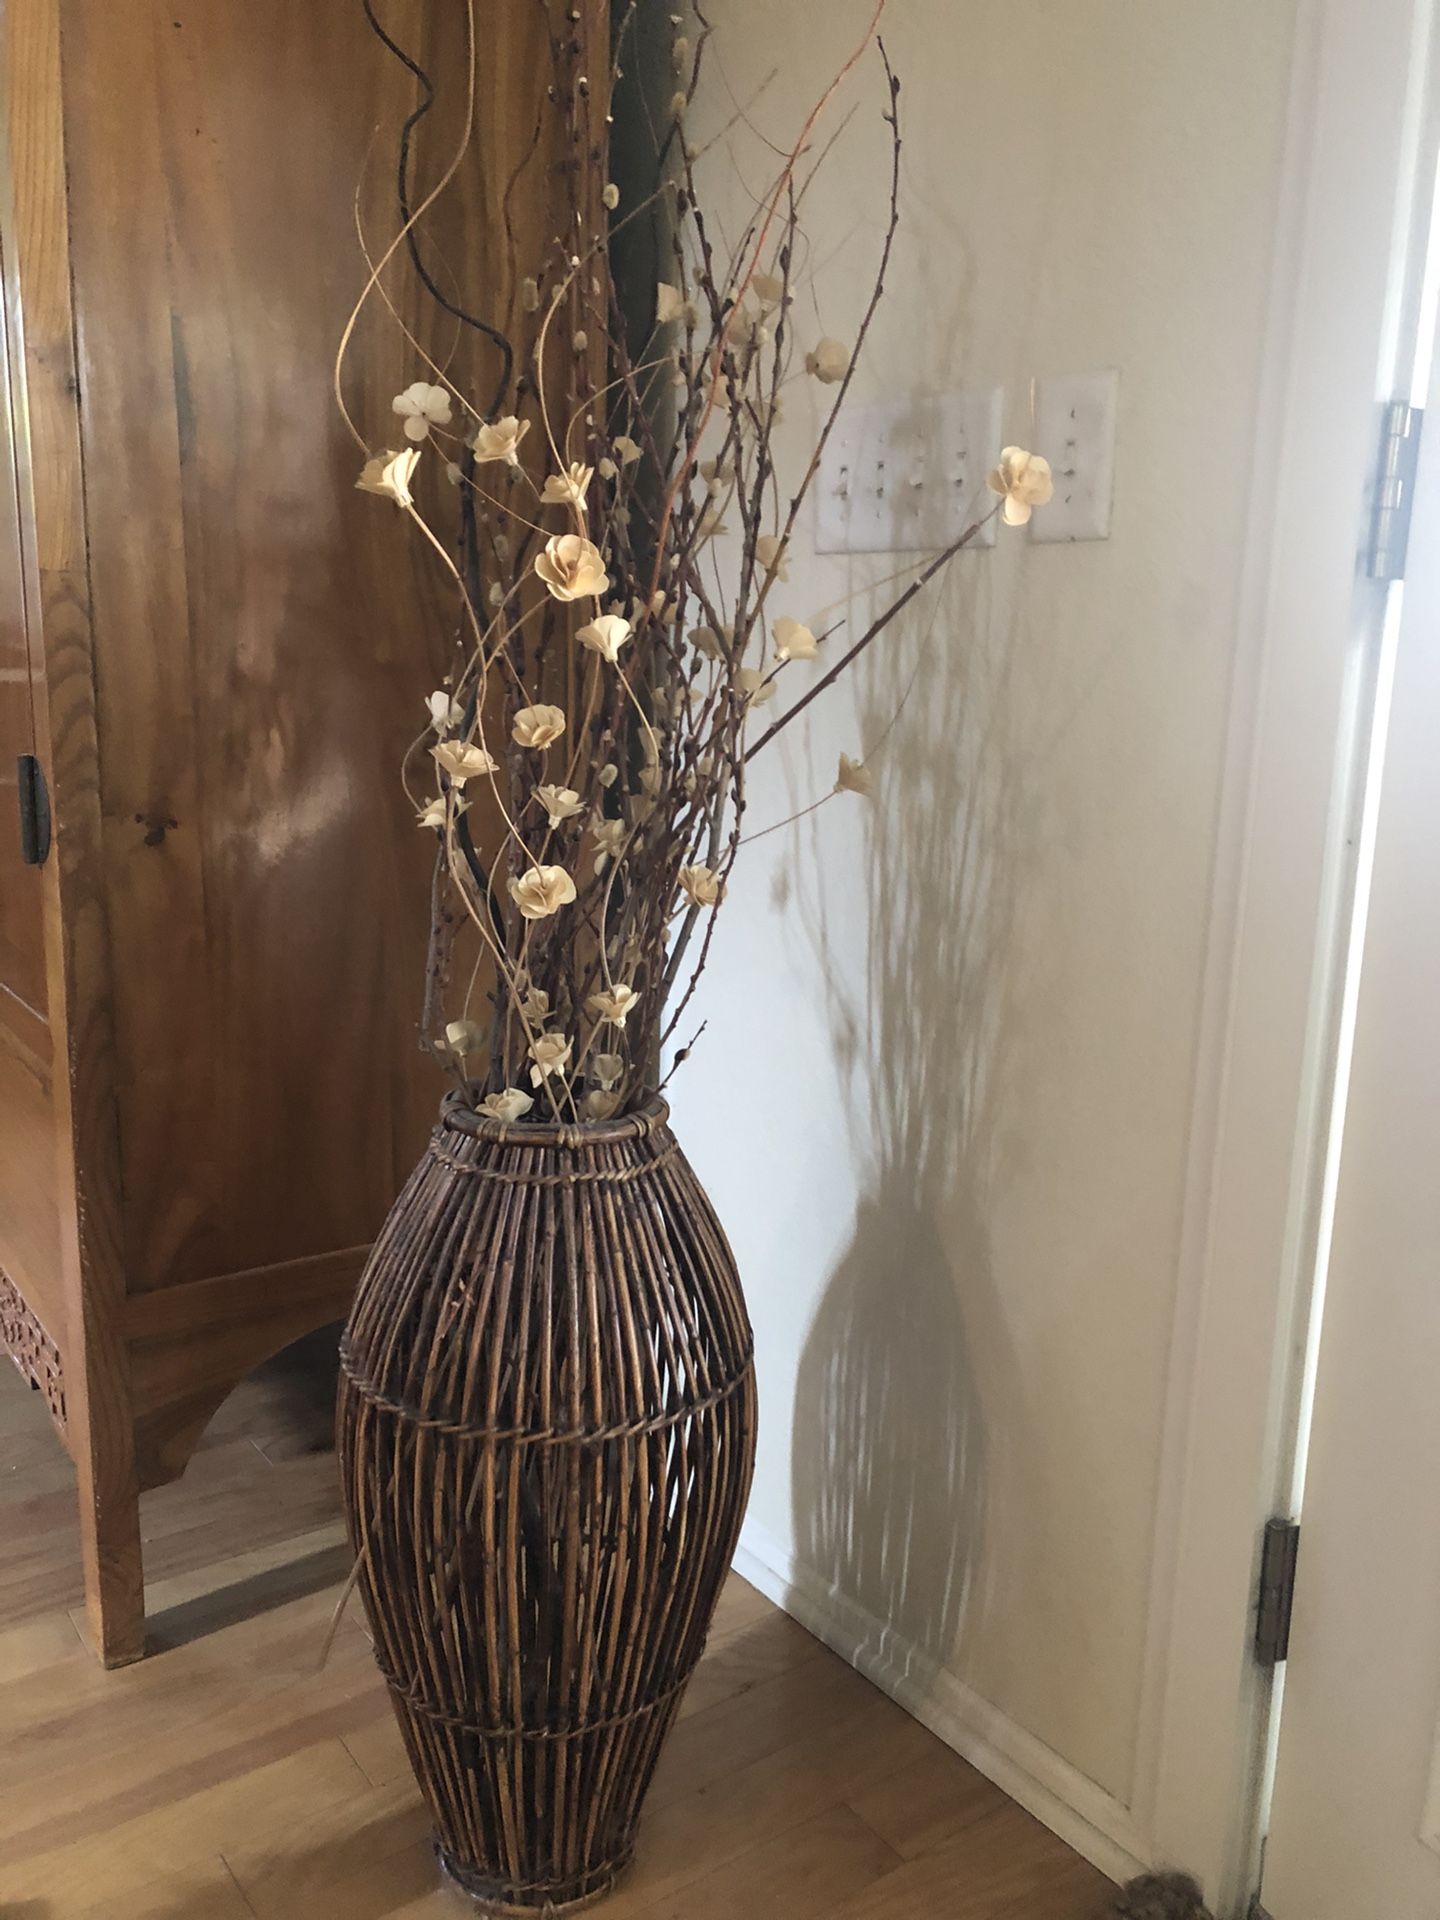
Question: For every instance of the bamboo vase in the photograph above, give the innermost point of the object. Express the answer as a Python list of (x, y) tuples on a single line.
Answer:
[(546, 1431)]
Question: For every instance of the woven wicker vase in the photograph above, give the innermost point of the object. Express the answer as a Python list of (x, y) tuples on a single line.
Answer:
[(547, 1430)]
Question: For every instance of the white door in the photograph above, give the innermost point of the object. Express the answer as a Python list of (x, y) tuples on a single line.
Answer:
[(1355, 1829)]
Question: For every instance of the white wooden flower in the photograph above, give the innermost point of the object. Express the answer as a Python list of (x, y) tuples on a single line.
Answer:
[(610, 198), (560, 803), (613, 1004), (572, 568), (541, 891), (463, 760), (701, 887), (421, 407), (606, 635), (550, 1053), (465, 1036), (756, 688), (512, 1104), (669, 303), (500, 439), (432, 814), (568, 488), (446, 712), (629, 450), (828, 361), (601, 1104), (853, 777), (1024, 481), (607, 1069), (390, 474), (793, 641), (537, 726)]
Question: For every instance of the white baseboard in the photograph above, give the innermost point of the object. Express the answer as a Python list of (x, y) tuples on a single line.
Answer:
[(1084, 1815)]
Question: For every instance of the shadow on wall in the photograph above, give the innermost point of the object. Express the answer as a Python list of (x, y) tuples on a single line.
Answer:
[(894, 1435)]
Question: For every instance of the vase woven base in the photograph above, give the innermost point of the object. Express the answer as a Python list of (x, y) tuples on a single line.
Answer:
[(498, 1897)]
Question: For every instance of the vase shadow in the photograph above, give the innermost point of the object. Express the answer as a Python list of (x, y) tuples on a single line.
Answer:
[(908, 1361)]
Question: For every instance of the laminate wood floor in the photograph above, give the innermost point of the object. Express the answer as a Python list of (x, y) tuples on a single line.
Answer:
[(229, 1777)]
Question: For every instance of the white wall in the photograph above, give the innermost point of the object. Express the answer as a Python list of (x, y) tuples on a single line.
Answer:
[(944, 1101)]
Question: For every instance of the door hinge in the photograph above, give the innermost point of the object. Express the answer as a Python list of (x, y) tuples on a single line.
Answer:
[(34, 811), (1394, 491), (1277, 1591)]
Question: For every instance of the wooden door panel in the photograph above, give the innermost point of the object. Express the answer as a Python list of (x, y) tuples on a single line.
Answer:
[(264, 639)]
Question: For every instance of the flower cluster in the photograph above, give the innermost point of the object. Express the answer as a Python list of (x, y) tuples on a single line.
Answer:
[(631, 632)]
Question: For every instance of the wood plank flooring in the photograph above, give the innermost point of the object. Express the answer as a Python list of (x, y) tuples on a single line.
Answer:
[(229, 1777)]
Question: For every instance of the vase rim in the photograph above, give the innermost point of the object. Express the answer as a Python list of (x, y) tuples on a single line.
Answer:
[(457, 1112)]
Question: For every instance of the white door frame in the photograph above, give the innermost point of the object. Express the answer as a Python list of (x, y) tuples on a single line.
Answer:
[(1359, 138)]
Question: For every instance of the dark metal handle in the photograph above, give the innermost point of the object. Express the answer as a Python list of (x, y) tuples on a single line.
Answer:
[(34, 811)]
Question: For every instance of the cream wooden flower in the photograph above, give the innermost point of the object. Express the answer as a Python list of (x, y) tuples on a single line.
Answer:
[(535, 1005), (572, 568), (606, 635), (701, 887), (669, 303), (465, 1036), (390, 474), (614, 1004), (853, 777), (607, 1069), (769, 290), (550, 1053), (601, 1104), (1023, 481), (567, 489), (541, 891), (629, 450), (537, 726), (610, 198), (828, 361), (500, 439), (756, 688), (422, 407), (794, 641), (560, 803), (512, 1104), (609, 838), (432, 814), (606, 467), (463, 760), (770, 551)]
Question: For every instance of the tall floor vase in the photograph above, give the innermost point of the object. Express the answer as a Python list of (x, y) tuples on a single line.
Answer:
[(547, 1430)]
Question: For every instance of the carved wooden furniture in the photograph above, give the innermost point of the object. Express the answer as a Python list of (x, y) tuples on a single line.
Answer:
[(211, 665)]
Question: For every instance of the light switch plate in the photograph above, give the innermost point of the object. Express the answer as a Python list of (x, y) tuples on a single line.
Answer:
[(1075, 430), (908, 476)]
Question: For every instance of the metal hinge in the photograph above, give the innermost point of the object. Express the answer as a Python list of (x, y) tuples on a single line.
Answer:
[(1277, 1591), (1394, 491), (34, 811)]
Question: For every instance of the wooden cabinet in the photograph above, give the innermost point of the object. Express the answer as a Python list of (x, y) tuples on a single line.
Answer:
[(210, 1082)]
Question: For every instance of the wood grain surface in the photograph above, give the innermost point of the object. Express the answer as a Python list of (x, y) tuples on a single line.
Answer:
[(230, 1778)]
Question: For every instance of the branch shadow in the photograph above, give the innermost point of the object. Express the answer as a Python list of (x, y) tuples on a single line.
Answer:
[(893, 1442)]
